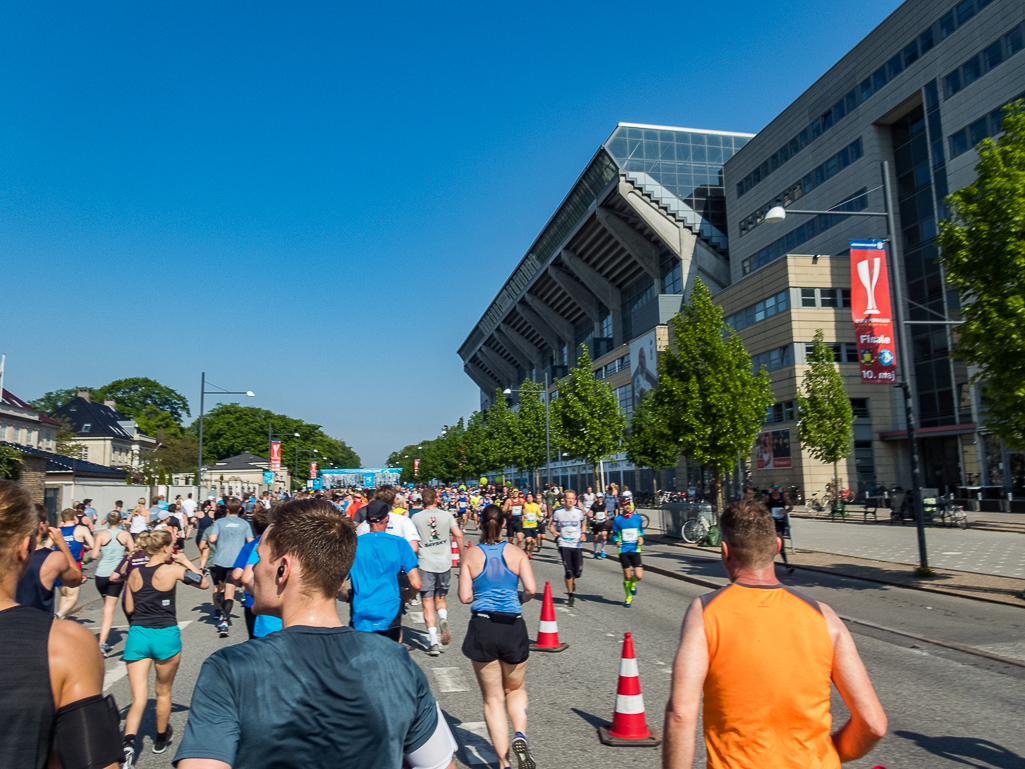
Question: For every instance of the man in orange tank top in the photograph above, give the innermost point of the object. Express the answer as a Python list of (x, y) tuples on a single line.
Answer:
[(764, 656)]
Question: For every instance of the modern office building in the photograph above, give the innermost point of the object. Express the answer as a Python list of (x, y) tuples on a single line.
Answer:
[(645, 218), (919, 93)]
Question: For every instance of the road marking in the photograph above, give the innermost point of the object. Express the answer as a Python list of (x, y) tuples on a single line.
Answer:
[(450, 680), (951, 553), (611, 635), (417, 617), (115, 674), (184, 624), (477, 751)]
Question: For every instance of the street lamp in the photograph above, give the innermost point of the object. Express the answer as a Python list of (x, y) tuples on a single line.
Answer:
[(203, 392), (548, 431), (779, 214)]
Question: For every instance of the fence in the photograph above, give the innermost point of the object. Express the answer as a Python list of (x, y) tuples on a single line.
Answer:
[(676, 514)]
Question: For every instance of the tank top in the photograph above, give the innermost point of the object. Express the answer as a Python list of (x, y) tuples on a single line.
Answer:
[(68, 532), (777, 505), (138, 524), (27, 710), (110, 553), (30, 589), (495, 588), (770, 659), (153, 608)]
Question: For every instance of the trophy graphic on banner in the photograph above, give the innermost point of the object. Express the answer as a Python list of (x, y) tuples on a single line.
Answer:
[(869, 282)]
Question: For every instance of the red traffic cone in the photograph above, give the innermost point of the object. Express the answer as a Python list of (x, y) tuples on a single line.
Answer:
[(548, 630), (455, 554), (629, 727)]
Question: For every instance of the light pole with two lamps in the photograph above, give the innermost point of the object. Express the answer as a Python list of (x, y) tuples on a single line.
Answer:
[(203, 392)]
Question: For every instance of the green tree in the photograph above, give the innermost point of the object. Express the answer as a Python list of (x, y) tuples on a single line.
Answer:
[(53, 400), (503, 433), (479, 449), (982, 246), (152, 421), (648, 442), (590, 422), (136, 395), (530, 419), (66, 441), (175, 454), (10, 463), (825, 424), (712, 404)]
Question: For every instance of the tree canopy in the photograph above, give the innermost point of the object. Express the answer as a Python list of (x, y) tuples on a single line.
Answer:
[(982, 247), (648, 441)]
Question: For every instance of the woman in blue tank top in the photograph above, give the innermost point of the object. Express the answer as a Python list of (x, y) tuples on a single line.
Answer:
[(78, 538), (496, 638)]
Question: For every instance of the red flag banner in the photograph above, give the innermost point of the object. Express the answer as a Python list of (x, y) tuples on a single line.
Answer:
[(313, 471), (275, 456), (416, 468), (872, 313)]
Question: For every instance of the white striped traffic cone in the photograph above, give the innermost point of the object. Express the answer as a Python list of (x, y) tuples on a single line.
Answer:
[(548, 629), (629, 727), (455, 554)]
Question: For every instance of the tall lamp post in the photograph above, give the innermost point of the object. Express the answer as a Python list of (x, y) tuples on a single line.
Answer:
[(548, 430), (203, 392), (779, 214), (271, 435)]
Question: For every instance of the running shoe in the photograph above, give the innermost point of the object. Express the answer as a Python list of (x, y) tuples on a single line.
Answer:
[(628, 602), (597, 556), (105, 649), (163, 740), (521, 750), (633, 590), (434, 651), (602, 553), (571, 601), (446, 636), (128, 759), (222, 630)]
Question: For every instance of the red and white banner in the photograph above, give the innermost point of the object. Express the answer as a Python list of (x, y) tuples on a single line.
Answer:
[(872, 313), (416, 468), (313, 471), (275, 455)]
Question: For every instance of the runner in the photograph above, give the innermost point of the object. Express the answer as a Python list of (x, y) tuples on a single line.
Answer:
[(778, 502), (462, 507), (229, 534), (110, 546), (86, 515), (153, 635), (764, 657), (588, 499), (496, 638), (600, 522), (531, 519), (513, 509), (77, 537), (52, 708), (399, 525), (567, 523), (315, 694), (204, 520), (189, 507), (138, 520), (376, 595), (628, 530), (257, 625), (437, 529), (47, 568)]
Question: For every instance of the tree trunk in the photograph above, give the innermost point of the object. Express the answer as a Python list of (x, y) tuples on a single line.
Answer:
[(836, 488), (717, 492), (597, 478)]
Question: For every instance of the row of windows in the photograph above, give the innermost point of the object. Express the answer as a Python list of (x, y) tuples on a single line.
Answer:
[(759, 311), (603, 372), (843, 352), (625, 396), (811, 180), (815, 226), (985, 127), (786, 411), (983, 62), (773, 360), (826, 297), (909, 54)]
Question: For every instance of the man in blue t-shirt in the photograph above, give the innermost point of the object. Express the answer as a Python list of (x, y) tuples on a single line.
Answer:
[(315, 694), (628, 530), (380, 558)]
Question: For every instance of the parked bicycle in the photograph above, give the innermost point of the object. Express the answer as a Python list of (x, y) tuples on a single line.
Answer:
[(695, 530)]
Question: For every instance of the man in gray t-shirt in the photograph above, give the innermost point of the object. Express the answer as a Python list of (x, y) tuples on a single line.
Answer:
[(229, 534), (437, 529)]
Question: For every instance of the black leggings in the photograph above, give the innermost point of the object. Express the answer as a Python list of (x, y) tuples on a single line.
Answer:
[(781, 529)]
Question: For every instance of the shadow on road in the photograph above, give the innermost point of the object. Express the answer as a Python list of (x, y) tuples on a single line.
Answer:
[(590, 718), (473, 747), (971, 748)]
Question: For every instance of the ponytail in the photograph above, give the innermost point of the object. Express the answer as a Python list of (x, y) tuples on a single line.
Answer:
[(491, 525)]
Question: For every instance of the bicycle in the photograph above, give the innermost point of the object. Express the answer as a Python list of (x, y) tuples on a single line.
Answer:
[(695, 530), (816, 504)]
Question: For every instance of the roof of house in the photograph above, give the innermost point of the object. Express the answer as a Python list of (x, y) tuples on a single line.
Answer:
[(244, 461), (57, 463), (91, 419), (10, 399)]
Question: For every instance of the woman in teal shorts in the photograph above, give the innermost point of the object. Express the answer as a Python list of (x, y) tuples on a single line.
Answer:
[(153, 635)]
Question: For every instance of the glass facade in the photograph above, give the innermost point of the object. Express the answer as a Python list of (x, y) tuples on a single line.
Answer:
[(686, 165)]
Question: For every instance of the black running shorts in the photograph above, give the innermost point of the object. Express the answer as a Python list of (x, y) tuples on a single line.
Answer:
[(572, 561), (497, 637), (109, 589), (220, 574), (630, 560), (514, 527)]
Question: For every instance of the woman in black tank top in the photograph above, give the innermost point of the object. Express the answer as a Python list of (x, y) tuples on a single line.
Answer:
[(154, 637)]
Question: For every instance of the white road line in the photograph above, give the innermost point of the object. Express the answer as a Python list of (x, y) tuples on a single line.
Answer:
[(477, 749), (417, 617), (184, 624), (114, 674), (450, 680)]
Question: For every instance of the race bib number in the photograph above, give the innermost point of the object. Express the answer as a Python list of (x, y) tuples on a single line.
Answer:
[(517, 510), (570, 532), (600, 515), (462, 506), (531, 517), (630, 535), (777, 512)]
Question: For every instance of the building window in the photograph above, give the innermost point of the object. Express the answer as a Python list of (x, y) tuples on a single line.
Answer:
[(971, 70), (784, 411), (86, 427), (606, 325), (750, 315), (911, 53), (951, 84), (926, 40), (860, 408), (83, 454), (773, 360), (965, 11), (946, 25), (993, 55), (843, 352)]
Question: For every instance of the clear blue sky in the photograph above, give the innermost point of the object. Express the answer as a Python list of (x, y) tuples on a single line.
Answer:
[(316, 201)]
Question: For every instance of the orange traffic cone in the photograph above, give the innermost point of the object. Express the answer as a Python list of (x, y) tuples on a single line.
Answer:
[(548, 630), (455, 554), (629, 727)]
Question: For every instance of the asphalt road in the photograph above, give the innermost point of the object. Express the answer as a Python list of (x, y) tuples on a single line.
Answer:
[(946, 708)]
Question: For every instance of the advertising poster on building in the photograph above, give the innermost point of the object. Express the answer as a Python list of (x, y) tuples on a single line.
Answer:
[(772, 450), (871, 310), (644, 365), (313, 470), (275, 456)]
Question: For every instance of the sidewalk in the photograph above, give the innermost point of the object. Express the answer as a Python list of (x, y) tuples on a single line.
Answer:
[(1005, 522)]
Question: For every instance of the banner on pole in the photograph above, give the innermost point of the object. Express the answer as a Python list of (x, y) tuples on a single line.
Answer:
[(275, 456), (268, 477), (313, 470), (416, 468), (872, 313)]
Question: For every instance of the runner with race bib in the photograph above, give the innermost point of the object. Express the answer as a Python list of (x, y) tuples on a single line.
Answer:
[(568, 524), (628, 530)]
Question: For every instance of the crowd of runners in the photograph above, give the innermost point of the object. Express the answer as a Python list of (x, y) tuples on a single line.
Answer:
[(283, 563)]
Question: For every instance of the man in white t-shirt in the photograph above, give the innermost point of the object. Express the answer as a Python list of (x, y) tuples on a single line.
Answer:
[(588, 498), (438, 530), (189, 507), (400, 526), (568, 524)]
